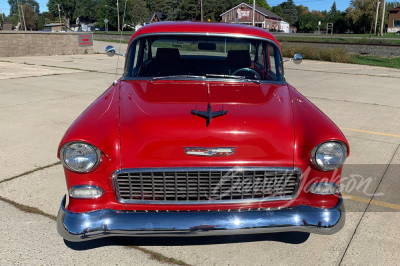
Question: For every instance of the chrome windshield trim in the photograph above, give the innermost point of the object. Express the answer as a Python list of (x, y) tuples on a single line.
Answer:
[(199, 169), (208, 80)]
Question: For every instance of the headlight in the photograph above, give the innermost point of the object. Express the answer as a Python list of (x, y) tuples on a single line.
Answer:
[(329, 155), (80, 157)]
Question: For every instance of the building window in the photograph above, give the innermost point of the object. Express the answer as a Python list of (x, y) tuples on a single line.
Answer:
[(396, 23)]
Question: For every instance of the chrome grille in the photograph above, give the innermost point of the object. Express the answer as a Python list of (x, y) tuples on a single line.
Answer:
[(182, 185)]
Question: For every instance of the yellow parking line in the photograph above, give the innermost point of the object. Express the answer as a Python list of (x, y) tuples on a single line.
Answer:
[(373, 202), (371, 132)]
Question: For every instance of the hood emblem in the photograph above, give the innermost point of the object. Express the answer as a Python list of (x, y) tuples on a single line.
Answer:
[(209, 151), (209, 114)]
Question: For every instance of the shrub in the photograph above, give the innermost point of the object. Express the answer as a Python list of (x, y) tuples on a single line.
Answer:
[(340, 55)]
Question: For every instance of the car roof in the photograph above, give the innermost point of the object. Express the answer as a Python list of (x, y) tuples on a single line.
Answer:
[(204, 28)]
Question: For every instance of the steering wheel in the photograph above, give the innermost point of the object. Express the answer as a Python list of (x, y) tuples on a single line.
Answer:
[(252, 71)]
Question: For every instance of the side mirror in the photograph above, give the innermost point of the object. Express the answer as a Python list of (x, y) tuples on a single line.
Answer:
[(110, 50), (297, 59)]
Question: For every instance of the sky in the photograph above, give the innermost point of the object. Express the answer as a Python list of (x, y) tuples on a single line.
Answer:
[(311, 4)]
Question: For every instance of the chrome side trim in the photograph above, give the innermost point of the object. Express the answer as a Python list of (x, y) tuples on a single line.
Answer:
[(78, 227), (196, 169)]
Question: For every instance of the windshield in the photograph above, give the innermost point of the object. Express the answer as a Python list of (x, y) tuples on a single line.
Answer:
[(196, 57)]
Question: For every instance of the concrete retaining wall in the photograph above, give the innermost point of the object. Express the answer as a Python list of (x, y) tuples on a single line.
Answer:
[(374, 50), (125, 37), (19, 43)]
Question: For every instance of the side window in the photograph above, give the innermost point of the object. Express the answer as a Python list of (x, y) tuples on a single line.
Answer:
[(271, 54), (252, 51), (136, 53), (260, 55)]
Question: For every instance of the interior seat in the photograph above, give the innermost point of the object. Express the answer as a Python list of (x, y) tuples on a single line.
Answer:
[(168, 61), (238, 59)]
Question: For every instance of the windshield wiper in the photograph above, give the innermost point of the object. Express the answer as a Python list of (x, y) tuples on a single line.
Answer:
[(233, 77), (172, 77)]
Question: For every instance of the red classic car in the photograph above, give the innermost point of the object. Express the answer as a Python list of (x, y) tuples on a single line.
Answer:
[(202, 135)]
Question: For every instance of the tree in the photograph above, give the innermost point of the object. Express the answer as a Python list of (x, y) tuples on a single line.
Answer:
[(190, 10), (302, 9), (278, 10), (14, 5), (260, 3), (85, 10), (337, 18), (47, 17), (31, 18), (333, 8), (361, 15), (155, 5), (67, 8), (308, 22), (137, 11), (290, 13), (103, 11), (172, 9)]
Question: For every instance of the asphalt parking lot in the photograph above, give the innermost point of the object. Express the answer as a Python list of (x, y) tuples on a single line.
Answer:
[(42, 96)]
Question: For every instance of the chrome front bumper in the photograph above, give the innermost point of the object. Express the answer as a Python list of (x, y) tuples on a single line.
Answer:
[(78, 227)]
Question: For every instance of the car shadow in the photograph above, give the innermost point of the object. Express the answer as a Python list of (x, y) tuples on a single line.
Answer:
[(286, 237)]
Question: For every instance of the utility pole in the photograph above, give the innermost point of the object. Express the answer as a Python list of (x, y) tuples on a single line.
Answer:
[(118, 13), (201, 11), (376, 17), (59, 16), (23, 16), (19, 16), (383, 17), (254, 11)]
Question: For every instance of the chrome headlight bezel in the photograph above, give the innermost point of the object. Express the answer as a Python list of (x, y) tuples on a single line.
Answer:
[(96, 152), (315, 150)]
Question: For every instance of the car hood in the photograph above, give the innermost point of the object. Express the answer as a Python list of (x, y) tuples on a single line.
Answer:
[(156, 123)]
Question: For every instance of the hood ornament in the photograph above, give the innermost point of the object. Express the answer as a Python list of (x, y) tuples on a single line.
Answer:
[(209, 114)]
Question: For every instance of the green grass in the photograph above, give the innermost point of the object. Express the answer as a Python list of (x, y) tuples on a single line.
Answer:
[(335, 39), (377, 61)]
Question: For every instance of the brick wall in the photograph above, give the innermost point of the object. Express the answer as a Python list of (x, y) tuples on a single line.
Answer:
[(19, 43)]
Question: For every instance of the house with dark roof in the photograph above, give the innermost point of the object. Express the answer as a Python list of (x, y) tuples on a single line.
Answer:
[(394, 19), (243, 14), (155, 17)]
